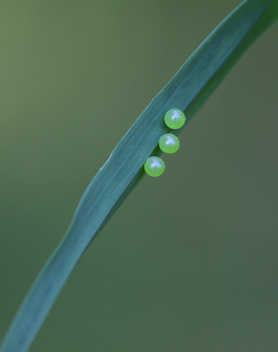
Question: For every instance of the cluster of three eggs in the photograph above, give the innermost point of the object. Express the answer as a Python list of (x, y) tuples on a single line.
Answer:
[(168, 143)]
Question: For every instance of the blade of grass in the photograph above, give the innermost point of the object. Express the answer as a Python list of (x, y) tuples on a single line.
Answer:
[(187, 90)]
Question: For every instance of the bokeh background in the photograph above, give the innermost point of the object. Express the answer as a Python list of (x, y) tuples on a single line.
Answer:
[(189, 262)]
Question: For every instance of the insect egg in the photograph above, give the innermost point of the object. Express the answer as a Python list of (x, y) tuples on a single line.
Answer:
[(174, 119), (154, 166), (169, 143)]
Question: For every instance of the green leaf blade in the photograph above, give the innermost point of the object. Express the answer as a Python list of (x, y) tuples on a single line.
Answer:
[(187, 91)]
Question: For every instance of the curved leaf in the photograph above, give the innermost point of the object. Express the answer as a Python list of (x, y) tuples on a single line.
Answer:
[(187, 91)]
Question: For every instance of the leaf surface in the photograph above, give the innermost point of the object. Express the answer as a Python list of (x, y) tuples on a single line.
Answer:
[(187, 91)]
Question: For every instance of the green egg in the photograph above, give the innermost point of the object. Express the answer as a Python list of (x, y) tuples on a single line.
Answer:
[(154, 166), (169, 143), (174, 119)]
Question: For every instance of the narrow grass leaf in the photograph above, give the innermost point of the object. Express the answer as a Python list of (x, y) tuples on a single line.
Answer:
[(187, 91)]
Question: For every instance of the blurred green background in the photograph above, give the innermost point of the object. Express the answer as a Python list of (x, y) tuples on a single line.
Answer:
[(189, 262)]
